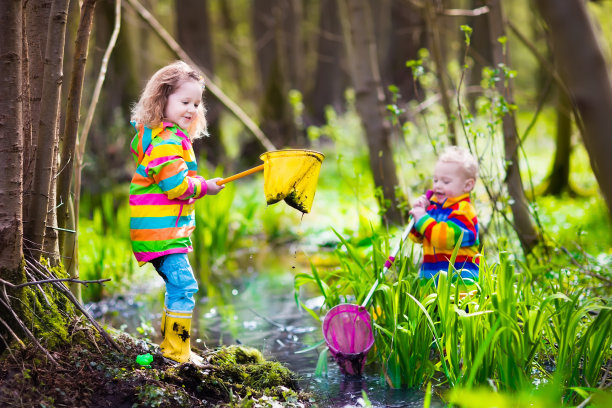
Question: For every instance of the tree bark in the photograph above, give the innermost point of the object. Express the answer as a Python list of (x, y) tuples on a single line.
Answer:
[(407, 36), (36, 19), (68, 142), (558, 180), (433, 30), (193, 28), (480, 49), (11, 134), (586, 74), (370, 103), (520, 210), (276, 63), (331, 77), (47, 127)]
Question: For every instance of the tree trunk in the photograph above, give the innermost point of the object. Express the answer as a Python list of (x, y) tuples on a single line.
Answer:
[(194, 36), (370, 104), (331, 77), (520, 209), (407, 36), (11, 134), (47, 127), (68, 142), (433, 30), (586, 74), (229, 52), (36, 19), (276, 63), (558, 180), (479, 50)]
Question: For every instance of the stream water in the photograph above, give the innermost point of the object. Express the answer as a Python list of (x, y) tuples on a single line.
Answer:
[(259, 311)]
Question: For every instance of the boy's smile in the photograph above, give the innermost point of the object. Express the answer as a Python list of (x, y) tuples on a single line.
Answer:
[(450, 180), (181, 108)]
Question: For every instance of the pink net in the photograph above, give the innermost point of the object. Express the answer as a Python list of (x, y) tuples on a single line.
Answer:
[(348, 332)]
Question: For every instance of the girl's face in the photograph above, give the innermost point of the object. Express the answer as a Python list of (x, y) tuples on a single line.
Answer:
[(181, 108), (450, 180)]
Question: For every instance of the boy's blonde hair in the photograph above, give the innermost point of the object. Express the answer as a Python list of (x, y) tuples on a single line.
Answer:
[(149, 110), (462, 156)]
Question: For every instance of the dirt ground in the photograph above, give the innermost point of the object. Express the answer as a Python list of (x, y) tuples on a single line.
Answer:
[(89, 373)]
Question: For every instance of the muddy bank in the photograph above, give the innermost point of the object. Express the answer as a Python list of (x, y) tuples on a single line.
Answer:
[(91, 374)]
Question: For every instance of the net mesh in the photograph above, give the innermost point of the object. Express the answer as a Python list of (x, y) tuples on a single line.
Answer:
[(348, 333)]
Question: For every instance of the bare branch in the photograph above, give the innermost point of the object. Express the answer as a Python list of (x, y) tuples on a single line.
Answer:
[(468, 13), (4, 301), (66, 292), (84, 282)]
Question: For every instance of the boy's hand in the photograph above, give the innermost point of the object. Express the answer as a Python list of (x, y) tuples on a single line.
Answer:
[(421, 202), (212, 187), (417, 213), (420, 207)]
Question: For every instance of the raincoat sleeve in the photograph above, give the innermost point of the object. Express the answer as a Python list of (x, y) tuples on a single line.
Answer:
[(415, 236), (446, 234), (170, 172)]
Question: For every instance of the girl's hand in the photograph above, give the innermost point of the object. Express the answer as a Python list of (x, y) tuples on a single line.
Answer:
[(212, 188)]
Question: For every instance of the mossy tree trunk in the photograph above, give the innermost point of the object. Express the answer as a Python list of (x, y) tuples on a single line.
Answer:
[(11, 164), (39, 313)]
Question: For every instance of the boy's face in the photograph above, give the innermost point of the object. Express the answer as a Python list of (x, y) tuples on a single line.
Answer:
[(182, 106), (450, 180)]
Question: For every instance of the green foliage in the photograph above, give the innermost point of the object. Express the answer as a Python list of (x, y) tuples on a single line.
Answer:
[(105, 249), (503, 332)]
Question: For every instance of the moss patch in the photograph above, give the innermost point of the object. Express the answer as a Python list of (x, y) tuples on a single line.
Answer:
[(94, 375)]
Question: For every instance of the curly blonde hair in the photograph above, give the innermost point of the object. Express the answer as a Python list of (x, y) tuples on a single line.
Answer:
[(149, 110), (462, 156)]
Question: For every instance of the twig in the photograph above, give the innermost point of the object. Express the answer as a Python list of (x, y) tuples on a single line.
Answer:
[(6, 303), (8, 327), (212, 87), (467, 13), (66, 292), (21, 285), (99, 82)]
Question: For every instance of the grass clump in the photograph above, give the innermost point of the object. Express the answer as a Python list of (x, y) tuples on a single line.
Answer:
[(514, 329)]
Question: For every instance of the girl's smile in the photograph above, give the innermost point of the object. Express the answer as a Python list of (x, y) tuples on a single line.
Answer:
[(182, 105)]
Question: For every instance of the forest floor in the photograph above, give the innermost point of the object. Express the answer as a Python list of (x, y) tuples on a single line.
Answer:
[(91, 373)]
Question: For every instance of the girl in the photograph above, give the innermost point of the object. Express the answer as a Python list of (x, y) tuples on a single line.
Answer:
[(164, 188)]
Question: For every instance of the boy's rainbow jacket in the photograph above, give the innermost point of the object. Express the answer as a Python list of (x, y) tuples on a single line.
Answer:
[(439, 231), (163, 191)]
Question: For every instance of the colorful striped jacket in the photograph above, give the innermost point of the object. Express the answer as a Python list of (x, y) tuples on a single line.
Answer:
[(439, 231), (163, 191)]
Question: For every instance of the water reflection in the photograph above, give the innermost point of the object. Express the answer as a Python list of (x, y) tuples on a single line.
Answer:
[(259, 312)]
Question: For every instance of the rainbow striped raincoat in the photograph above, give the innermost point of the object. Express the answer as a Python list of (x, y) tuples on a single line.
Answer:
[(439, 231), (163, 191)]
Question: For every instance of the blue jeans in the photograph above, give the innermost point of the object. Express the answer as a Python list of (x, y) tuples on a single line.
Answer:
[(181, 285)]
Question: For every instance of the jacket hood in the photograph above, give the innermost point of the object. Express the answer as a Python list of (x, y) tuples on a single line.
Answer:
[(143, 139)]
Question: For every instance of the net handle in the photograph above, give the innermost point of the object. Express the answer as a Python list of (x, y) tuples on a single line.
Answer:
[(391, 258)]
